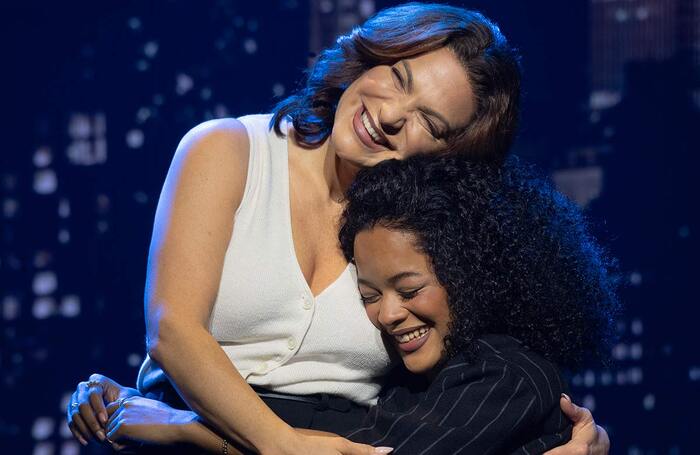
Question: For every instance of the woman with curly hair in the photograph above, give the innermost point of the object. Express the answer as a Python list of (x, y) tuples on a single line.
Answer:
[(246, 286), (485, 281)]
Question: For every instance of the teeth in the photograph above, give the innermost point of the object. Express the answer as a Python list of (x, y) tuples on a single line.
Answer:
[(368, 126), (406, 337)]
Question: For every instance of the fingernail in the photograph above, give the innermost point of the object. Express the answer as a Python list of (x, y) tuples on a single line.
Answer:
[(101, 435), (383, 449), (83, 441), (103, 418), (566, 397)]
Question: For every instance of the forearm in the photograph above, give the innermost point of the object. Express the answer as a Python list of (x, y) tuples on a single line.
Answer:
[(199, 435), (202, 437), (212, 387)]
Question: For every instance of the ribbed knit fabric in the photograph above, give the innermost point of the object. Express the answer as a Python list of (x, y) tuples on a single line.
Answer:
[(277, 334)]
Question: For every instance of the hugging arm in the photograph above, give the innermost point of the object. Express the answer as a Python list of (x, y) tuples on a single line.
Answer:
[(136, 420), (192, 228), (191, 232)]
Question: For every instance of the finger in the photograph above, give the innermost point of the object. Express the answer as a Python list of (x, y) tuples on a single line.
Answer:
[(114, 420), (76, 434), (602, 445), (85, 409), (118, 447), (353, 448), (113, 430), (603, 437), (115, 405), (112, 408), (77, 425), (69, 408), (90, 420), (110, 388), (97, 404), (576, 413), (569, 449), (72, 405), (116, 434)]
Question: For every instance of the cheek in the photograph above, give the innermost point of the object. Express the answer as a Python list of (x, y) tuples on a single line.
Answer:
[(373, 314), (419, 141)]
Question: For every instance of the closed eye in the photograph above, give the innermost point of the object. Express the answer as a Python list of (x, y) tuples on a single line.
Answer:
[(397, 75), (431, 127), (369, 299), (408, 295)]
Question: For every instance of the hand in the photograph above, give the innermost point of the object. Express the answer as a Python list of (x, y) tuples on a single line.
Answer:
[(319, 442), (86, 413), (137, 420), (587, 438)]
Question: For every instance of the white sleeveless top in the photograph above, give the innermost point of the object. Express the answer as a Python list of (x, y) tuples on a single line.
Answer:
[(277, 334)]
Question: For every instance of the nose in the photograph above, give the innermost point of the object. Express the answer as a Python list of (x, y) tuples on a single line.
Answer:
[(392, 116), (391, 312)]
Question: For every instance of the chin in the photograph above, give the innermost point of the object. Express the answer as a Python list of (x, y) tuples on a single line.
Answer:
[(420, 366), (347, 147), (417, 369)]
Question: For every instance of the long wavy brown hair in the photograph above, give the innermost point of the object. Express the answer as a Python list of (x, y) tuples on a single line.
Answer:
[(406, 31)]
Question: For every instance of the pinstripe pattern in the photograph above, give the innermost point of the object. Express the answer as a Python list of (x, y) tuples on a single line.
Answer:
[(506, 401)]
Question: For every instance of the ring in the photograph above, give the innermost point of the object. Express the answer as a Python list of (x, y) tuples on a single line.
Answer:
[(92, 383), (73, 405)]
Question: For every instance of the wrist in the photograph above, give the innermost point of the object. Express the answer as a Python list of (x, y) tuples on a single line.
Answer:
[(283, 440), (190, 430)]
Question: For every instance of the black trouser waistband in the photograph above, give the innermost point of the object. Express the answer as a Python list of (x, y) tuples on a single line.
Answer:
[(320, 401)]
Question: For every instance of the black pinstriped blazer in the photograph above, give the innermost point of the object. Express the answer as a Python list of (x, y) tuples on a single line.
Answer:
[(505, 401)]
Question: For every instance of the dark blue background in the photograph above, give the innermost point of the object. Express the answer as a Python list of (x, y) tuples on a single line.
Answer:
[(89, 58)]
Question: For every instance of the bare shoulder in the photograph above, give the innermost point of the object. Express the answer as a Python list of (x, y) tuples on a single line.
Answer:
[(216, 153), (194, 219)]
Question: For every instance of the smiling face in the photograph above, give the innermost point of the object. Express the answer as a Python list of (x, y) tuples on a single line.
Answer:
[(400, 110), (402, 296)]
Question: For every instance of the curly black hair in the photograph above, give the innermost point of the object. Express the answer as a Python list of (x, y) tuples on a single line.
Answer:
[(514, 255)]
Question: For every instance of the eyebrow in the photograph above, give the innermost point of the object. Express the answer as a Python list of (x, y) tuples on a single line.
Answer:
[(391, 281), (427, 110)]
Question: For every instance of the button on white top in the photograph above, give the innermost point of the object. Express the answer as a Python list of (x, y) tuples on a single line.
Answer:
[(307, 303), (291, 343), (261, 368)]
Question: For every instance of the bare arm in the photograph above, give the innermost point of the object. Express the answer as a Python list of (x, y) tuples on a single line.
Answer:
[(192, 229), (191, 233), (138, 420)]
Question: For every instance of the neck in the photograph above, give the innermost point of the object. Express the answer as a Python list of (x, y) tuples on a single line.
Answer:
[(324, 166), (337, 173)]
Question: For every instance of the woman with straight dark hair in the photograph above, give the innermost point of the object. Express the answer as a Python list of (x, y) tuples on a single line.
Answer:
[(250, 303)]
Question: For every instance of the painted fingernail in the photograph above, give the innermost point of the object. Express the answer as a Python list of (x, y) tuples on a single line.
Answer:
[(566, 397), (383, 449), (101, 435)]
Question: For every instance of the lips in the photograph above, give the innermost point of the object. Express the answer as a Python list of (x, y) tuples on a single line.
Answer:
[(415, 343), (362, 132)]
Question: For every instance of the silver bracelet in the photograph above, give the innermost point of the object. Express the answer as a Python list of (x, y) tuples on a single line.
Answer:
[(224, 447)]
